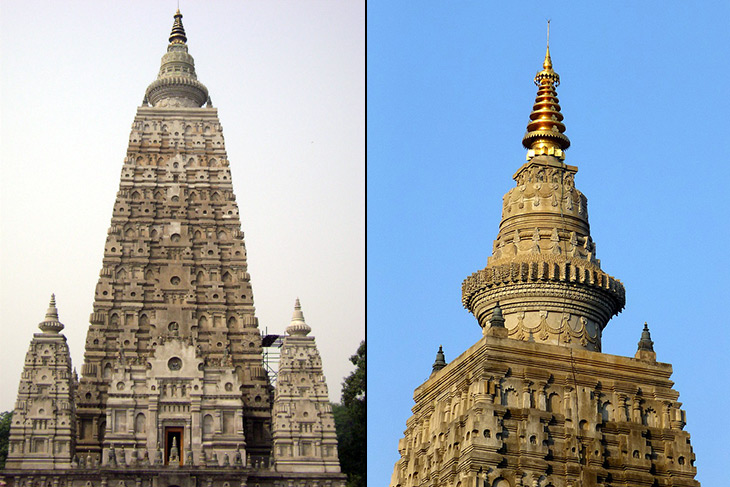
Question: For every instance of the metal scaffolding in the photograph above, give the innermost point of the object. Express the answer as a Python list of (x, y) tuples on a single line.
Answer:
[(271, 350)]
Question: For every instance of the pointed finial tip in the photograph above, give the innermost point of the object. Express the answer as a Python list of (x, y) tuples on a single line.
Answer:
[(548, 32), (440, 362), (298, 325), (51, 324), (178, 31)]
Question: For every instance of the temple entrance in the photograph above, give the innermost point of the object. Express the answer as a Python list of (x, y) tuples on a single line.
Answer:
[(173, 436)]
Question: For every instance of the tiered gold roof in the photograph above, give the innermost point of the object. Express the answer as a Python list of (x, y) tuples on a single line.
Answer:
[(546, 132)]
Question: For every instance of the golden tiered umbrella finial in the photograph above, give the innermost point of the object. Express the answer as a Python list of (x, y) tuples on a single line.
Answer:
[(178, 31), (545, 131)]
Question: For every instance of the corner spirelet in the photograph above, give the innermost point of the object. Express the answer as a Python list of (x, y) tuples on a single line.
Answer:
[(51, 324), (440, 362), (298, 327)]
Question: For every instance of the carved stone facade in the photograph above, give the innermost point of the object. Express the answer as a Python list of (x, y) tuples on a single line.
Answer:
[(534, 403), (304, 428), (43, 428), (172, 390)]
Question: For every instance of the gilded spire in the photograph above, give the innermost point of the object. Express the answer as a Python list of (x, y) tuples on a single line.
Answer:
[(178, 31), (545, 131)]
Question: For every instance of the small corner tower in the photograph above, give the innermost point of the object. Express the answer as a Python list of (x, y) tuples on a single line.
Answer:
[(43, 429), (303, 425)]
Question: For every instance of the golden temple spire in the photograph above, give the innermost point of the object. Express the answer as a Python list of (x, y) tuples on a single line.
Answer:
[(178, 31), (545, 131)]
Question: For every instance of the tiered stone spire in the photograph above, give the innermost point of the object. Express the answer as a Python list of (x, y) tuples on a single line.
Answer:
[(440, 361), (303, 425), (645, 348), (174, 311), (543, 269), (298, 327), (43, 430), (51, 323), (177, 84)]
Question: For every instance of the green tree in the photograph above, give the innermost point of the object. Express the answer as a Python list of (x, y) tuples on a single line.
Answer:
[(350, 422), (5, 419)]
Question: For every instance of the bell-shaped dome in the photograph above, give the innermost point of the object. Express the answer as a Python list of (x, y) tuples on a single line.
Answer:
[(177, 84)]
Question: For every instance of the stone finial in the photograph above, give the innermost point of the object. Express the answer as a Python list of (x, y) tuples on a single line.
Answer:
[(51, 324), (178, 31), (646, 343), (440, 362), (645, 349), (177, 84), (497, 319), (496, 323), (298, 327)]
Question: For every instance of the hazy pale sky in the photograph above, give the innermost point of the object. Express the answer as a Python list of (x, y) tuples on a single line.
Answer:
[(288, 80), (644, 94)]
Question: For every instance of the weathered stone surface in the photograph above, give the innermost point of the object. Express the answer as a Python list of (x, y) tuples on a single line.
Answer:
[(529, 412), (304, 428), (534, 403), (43, 428), (173, 391)]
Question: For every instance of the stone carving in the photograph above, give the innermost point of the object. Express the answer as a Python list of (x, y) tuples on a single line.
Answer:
[(42, 432), (302, 398), (174, 453), (173, 343), (112, 458), (541, 406)]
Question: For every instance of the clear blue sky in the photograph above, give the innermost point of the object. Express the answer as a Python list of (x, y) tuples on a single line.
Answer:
[(645, 97)]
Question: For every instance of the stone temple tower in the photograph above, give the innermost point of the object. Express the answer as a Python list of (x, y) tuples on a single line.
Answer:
[(534, 402), (173, 321), (304, 428), (44, 419), (172, 390)]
